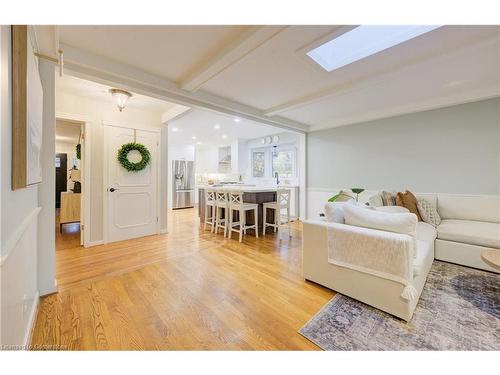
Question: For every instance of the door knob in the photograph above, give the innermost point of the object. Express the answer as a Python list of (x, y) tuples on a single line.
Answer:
[(112, 189)]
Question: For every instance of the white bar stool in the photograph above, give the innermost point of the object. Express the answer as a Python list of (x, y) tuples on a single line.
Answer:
[(282, 202), (209, 209), (236, 204), (221, 206)]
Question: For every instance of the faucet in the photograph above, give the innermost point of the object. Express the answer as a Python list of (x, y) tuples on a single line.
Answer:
[(277, 178)]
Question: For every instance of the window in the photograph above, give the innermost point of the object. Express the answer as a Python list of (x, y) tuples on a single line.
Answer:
[(258, 163), (363, 41), (284, 163)]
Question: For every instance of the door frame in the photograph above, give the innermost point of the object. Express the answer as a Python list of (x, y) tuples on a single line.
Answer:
[(86, 124), (105, 171)]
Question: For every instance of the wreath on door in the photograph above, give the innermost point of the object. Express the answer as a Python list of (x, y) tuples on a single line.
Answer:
[(127, 164)]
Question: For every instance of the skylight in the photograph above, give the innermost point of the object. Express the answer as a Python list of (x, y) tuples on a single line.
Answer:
[(363, 41)]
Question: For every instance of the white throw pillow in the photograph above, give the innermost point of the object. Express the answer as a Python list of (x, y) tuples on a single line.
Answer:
[(405, 223), (393, 209), (428, 213), (334, 211), (376, 200)]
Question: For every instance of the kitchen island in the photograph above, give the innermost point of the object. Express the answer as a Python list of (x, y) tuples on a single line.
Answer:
[(251, 194)]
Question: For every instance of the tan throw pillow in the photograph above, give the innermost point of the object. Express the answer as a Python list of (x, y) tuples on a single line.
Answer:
[(409, 201)]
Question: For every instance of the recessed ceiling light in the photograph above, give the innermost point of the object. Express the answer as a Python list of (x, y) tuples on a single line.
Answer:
[(236, 119), (198, 143), (224, 136), (216, 126), (364, 41), (193, 137), (174, 129)]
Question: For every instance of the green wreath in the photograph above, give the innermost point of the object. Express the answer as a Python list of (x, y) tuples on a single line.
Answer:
[(127, 164)]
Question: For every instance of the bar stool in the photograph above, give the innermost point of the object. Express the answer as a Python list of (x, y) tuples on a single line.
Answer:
[(236, 204), (221, 207), (209, 209), (282, 203)]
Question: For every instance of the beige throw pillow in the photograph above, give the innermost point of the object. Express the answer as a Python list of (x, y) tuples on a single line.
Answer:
[(388, 198), (428, 213)]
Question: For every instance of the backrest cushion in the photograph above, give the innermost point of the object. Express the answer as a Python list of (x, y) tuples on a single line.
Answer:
[(469, 207), (405, 223)]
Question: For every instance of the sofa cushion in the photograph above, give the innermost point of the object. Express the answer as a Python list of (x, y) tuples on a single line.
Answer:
[(470, 232), (426, 232), (392, 209), (423, 251), (405, 223), (469, 207)]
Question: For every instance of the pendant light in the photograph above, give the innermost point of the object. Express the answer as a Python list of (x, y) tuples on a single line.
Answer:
[(121, 97)]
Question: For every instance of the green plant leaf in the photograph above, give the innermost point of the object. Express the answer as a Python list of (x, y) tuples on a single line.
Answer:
[(336, 196), (357, 190)]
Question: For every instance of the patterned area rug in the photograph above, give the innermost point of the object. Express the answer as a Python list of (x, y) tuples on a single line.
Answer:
[(459, 309)]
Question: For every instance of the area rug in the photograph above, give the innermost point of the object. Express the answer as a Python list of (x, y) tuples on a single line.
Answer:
[(459, 309)]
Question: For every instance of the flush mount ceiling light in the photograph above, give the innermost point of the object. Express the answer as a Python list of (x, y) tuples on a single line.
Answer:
[(236, 119), (363, 41), (193, 137), (174, 129), (216, 126), (121, 97), (224, 136)]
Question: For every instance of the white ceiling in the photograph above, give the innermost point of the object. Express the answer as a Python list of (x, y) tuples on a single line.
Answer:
[(265, 68), (68, 132), (201, 124), (97, 91)]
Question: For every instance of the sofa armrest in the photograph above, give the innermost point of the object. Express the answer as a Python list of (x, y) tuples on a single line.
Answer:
[(315, 242)]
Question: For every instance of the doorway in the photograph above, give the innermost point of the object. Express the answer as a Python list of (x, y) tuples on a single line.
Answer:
[(69, 162)]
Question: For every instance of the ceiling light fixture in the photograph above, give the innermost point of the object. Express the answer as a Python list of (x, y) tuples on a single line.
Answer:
[(121, 97), (198, 143), (236, 119), (174, 129), (224, 136), (216, 126), (193, 137)]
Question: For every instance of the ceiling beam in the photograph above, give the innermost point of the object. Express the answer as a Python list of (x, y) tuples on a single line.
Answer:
[(174, 113), (229, 55), (105, 71)]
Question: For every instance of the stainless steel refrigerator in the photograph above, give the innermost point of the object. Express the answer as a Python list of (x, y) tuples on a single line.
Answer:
[(183, 184)]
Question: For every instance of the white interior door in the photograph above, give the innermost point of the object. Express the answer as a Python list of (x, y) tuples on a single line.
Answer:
[(132, 206)]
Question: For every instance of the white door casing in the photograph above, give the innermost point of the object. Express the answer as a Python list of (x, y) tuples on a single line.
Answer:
[(131, 210)]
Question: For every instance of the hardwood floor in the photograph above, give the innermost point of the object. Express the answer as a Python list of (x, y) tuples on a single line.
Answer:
[(188, 290)]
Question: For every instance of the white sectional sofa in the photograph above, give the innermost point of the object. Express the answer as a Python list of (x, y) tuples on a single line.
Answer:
[(470, 224)]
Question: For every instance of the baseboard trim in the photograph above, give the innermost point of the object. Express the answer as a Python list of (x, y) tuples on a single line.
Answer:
[(95, 243), (163, 231), (32, 320)]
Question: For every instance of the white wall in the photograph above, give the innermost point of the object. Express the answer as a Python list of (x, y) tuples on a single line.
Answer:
[(448, 150), (96, 113), (19, 213)]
